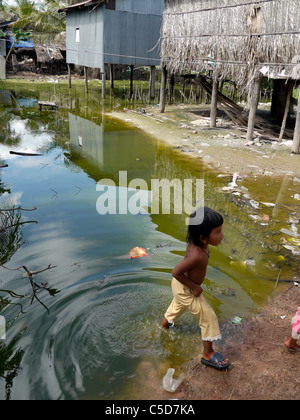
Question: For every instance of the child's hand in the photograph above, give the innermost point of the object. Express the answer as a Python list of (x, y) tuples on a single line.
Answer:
[(197, 290)]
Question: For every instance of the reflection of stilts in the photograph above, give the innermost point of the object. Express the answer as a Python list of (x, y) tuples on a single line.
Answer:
[(280, 195)]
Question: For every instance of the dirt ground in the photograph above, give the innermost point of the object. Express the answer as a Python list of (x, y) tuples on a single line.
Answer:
[(262, 368)]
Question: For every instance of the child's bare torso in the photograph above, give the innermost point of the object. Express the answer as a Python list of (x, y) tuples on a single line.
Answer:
[(199, 262)]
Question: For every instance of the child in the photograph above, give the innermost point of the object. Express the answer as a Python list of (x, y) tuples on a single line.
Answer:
[(291, 341), (188, 277)]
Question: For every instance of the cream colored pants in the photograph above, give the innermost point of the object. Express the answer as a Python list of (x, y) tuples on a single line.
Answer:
[(198, 306)]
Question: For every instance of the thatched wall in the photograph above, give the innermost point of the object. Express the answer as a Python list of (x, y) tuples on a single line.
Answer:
[(239, 37), (47, 54)]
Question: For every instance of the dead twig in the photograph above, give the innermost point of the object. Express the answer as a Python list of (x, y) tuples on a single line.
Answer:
[(18, 208), (35, 286)]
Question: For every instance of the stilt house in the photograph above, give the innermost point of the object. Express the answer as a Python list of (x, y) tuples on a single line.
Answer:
[(241, 40), (112, 32)]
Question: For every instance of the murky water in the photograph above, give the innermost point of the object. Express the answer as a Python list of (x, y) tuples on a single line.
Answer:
[(94, 332)]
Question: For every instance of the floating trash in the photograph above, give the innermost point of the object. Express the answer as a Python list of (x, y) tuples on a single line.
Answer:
[(250, 261), (138, 252)]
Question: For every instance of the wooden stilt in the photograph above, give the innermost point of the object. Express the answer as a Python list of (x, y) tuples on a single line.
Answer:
[(103, 83), (253, 108), (112, 76), (152, 82), (69, 75), (164, 75), (296, 143), (171, 88), (214, 104), (286, 111), (131, 81), (86, 80)]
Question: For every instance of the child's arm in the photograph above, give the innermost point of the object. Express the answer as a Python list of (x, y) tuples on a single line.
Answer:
[(188, 264)]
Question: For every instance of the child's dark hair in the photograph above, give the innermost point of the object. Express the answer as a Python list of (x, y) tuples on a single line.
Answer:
[(211, 220)]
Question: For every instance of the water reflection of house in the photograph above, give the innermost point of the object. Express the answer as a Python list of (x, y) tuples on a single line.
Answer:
[(5, 97), (108, 148)]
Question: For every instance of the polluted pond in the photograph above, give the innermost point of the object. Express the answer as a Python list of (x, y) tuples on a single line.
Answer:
[(83, 293)]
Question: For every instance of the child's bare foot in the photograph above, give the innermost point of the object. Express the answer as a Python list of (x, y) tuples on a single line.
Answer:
[(167, 324), (291, 344)]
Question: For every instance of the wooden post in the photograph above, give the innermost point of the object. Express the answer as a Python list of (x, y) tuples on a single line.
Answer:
[(69, 74), (253, 108), (296, 143), (152, 82), (86, 80), (131, 81), (164, 75), (112, 76), (171, 88), (214, 104), (198, 92), (103, 83), (286, 111)]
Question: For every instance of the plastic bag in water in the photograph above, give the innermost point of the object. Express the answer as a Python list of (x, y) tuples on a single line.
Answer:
[(169, 383)]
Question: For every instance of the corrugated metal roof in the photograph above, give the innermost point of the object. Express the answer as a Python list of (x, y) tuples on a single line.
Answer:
[(81, 4)]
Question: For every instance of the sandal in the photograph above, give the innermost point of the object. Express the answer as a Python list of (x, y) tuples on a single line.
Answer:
[(215, 362)]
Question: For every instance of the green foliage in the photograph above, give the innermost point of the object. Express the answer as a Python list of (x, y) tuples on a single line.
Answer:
[(20, 35)]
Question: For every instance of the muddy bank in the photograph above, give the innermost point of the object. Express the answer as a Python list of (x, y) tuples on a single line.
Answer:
[(262, 368), (224, 149)]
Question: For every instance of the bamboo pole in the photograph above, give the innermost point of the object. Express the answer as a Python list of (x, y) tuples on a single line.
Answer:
[(296, 142)]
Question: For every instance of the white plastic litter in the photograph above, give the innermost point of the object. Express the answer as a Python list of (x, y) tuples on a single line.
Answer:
[(289, 232), (169, 383)]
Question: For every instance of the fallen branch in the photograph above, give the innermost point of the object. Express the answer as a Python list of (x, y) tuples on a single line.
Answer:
[(25, 154), (18, 208)]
